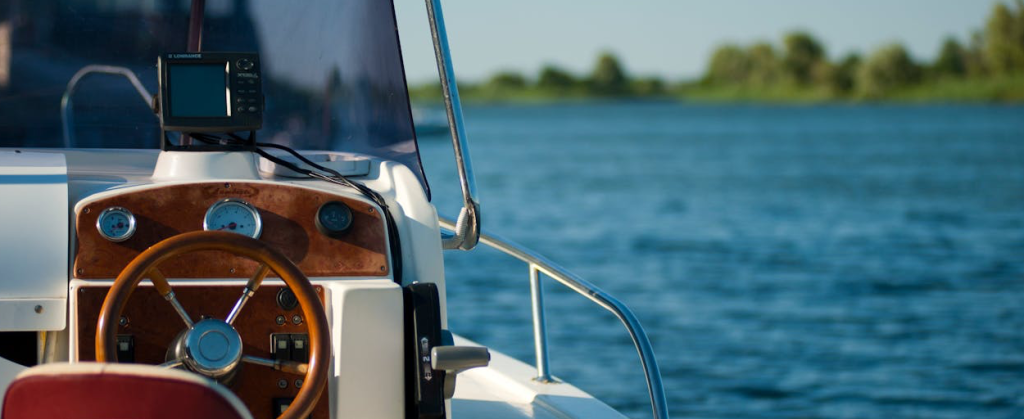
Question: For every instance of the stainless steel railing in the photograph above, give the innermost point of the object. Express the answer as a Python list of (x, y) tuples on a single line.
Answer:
[(65, 100), (540, 265), (467, 230)]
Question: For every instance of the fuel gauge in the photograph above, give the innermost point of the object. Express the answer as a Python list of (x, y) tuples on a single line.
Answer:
[(116, 224), (333, 218)]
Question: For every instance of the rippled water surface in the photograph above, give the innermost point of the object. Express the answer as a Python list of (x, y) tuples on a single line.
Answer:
[(787, 262)]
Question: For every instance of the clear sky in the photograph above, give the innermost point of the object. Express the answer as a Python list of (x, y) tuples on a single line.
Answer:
[(668, 38)]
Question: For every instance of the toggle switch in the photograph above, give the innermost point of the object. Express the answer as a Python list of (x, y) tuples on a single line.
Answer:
[(281, 346), (300, 348), (125, 348)]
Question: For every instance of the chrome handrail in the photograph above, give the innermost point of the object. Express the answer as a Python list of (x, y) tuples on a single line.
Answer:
[(467, 229), (65, 100), (539, 264)]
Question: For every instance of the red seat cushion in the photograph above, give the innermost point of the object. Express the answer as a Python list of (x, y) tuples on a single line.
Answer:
[(117, 391)]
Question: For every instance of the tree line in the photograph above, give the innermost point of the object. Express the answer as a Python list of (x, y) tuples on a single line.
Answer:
[(607, 79), (989, 66), (802, 62)]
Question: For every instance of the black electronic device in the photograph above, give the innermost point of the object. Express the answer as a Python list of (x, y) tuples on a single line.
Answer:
[(210, 92), (424, 388)]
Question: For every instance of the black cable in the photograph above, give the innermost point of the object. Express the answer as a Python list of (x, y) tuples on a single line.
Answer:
[(339, 179), (302, 158), (334, 173)]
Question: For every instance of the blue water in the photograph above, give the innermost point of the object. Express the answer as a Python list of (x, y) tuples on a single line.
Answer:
[(787, 262)]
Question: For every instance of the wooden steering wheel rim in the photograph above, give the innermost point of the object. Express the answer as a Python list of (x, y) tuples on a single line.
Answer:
[(319, 335)]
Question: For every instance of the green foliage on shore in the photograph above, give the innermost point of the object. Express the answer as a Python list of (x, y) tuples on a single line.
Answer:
[(608, 79), (988, 67)]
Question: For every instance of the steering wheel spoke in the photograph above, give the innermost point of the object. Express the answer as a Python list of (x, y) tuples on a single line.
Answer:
[(250, 289), (290, 367), (164, 288), (172, 364)]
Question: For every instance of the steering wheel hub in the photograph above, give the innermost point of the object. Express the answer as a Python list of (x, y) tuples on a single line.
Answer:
[(211, 347)]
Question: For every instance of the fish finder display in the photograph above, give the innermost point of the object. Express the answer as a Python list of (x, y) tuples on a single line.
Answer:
[(198, 90), (211, 92)]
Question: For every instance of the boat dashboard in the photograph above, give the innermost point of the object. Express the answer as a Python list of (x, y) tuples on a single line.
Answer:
[(327, 235), (324, 234)]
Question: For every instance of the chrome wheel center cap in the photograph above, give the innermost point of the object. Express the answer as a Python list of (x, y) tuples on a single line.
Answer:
[(212, 348), (213, 345)]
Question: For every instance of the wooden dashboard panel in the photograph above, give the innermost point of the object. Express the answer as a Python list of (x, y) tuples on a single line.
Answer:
[(288, 214), (153, 324)]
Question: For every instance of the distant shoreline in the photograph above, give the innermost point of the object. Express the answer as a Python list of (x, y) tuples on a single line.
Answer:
[(994, 90), (988, 68)]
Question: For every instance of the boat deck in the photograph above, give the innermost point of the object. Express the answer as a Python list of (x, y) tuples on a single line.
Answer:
[(506, 390)]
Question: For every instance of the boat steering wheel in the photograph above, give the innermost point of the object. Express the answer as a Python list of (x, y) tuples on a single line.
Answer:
[(212, 347)]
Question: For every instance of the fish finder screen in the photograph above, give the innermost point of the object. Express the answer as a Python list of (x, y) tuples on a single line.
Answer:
[(198, 90)]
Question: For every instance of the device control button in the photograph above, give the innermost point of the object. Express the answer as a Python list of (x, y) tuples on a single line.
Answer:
[(245, 64), (251, 100), (240, 100), (252, 109), (241, 91), (252, 91), (241, 108)]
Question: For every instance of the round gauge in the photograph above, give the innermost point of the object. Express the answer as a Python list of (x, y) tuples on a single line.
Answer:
[(333, 218), (233, 215), (116, 224)]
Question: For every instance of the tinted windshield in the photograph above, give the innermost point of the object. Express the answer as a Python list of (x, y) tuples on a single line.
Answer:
[(333, 75)]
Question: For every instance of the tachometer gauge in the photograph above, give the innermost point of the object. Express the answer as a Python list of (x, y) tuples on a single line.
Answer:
[(233, 215), (116, 224)]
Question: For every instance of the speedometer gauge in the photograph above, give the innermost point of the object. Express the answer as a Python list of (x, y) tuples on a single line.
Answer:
[(116, 224), (233, 215)]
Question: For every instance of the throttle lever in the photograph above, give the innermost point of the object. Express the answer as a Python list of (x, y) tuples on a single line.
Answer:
[(456, 359)]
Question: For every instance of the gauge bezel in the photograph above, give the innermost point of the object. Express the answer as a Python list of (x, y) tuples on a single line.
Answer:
[(123, 211), (237, 202), (324, 230)]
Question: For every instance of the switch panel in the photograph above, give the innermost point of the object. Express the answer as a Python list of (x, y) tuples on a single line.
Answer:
[(290, 347), (125, 348)]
